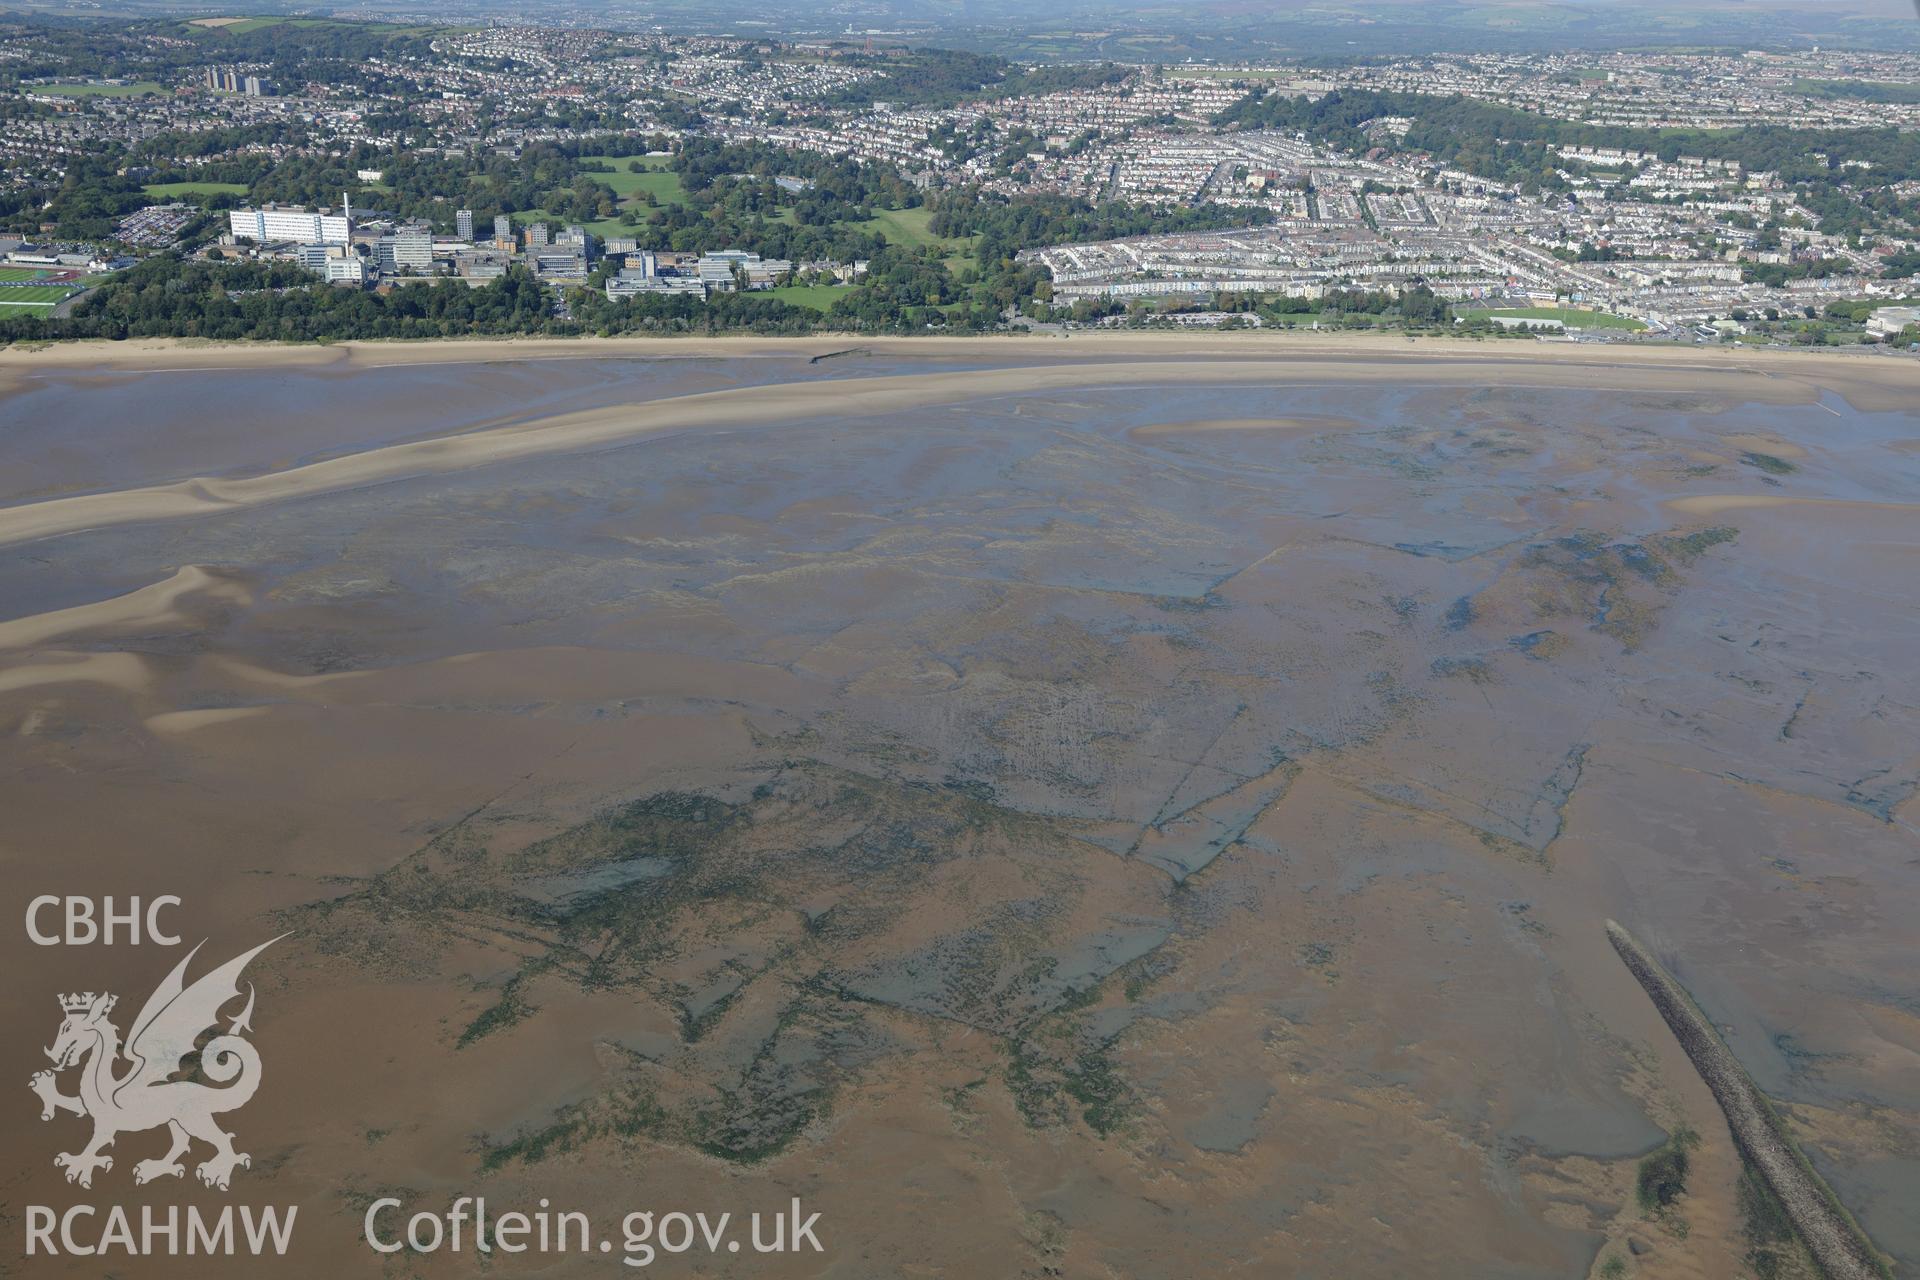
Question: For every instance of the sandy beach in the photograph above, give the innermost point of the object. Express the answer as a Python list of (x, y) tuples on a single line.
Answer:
[(1138, 805), (1875, 369), (1775, 378)]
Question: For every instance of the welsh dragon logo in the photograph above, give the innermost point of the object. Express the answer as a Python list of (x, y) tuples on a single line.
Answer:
[(147, 1095)]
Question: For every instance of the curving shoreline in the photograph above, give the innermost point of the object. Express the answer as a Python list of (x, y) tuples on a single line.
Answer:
[(157, 604), (853, 398), (189, 353)]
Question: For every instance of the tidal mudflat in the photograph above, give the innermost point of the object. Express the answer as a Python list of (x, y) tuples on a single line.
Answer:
[(1057, 808)]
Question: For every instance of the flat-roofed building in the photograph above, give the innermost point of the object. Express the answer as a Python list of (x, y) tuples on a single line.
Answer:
[(1888, 321), (336, 263), (409, 249), (631, 283), (282, 222), (717, 269)]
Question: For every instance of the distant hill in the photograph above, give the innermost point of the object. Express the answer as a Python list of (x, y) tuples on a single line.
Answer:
[(1177, 29)]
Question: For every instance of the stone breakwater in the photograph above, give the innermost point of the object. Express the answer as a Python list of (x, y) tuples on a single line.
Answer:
[(1833, 1238)]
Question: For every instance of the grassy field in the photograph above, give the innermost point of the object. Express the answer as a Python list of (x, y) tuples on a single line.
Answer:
[(665, 188), (620, 162), (101, 90), (656, 179), (240, 26), (21, 273), (603, 228), (908, 227), (659, 181), (818, 296), (1572, 319), (33, 298), (1866, 90), (172, 190)]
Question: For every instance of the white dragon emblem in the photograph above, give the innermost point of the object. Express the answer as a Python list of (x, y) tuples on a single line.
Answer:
[(147, 1095)]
